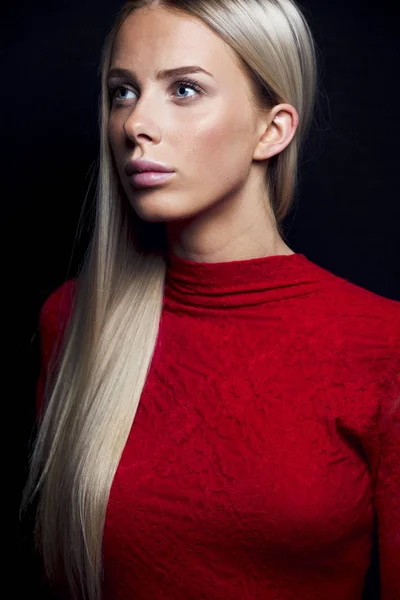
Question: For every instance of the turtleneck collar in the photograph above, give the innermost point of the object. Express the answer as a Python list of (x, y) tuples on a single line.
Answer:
[(240, 282)]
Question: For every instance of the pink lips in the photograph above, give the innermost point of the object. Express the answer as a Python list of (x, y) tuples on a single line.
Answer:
[(144, 172), (149, 178)]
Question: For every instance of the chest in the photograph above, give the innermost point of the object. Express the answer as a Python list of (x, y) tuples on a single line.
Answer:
[(236, 436)]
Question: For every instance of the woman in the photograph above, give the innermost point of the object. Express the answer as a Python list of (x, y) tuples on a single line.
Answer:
[(264, 452)]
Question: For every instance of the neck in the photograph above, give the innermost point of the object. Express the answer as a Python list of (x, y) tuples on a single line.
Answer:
[(240, 226)]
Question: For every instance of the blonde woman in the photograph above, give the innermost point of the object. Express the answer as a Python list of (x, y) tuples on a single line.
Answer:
[(219, 416)]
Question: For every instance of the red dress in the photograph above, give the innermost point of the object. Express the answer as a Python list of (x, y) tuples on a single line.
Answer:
[(266, 441)]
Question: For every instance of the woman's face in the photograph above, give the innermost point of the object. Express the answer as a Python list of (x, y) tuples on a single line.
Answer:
[(207, 136)]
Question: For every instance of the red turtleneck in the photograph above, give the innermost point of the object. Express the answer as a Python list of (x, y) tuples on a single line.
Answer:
[(266, 441)]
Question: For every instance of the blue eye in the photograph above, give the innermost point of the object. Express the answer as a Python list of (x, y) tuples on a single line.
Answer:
[(185, 84), (190, 84), (117, 89)]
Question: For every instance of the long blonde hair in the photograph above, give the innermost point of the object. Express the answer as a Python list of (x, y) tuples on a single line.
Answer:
[(93, 388)]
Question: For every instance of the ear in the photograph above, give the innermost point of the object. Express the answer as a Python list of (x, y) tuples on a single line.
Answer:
[(277, 132)]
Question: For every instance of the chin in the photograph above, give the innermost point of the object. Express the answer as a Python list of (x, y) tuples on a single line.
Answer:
[(160, 208)]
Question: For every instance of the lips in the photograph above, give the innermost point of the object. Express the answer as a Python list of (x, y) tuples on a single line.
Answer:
[(144, 165), (150, 178)]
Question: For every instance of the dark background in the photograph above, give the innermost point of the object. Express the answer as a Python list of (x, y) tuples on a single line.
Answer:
[(347, 211)]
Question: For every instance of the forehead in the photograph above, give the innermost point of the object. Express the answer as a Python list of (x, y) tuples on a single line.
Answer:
[(162, 39)]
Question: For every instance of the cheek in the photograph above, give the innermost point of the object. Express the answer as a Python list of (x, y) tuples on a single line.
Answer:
[(220, 148), (115, 134)]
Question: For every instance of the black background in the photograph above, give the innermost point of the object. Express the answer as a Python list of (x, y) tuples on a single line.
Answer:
[(347, 211)]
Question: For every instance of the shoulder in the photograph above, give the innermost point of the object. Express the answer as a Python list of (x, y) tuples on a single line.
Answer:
[(53, 318), (364, 308), (57, 308), (357, 326), (353, 309), (367, 309), (366, 324), (358, 338)]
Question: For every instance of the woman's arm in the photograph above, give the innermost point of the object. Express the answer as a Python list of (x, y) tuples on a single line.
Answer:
[(387, 491)]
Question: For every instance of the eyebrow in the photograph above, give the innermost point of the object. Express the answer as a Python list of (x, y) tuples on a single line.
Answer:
[(165, 74)]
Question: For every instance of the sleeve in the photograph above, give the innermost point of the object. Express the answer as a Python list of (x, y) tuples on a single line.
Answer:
[(53, 319), (387, 489), (48, 322)]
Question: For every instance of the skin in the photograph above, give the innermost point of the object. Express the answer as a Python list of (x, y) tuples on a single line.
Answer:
[(215, 206)]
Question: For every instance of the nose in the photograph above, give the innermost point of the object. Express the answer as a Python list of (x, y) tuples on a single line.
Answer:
[(140, 124)]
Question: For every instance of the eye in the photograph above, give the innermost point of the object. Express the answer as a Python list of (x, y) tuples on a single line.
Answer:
[(119, 93), (114, 91), (189, 84)]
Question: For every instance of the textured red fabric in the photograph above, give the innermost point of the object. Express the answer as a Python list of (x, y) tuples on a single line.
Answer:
[(266, 440)]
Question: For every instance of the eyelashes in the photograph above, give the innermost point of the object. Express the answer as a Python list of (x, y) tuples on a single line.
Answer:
[(183, 83)]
